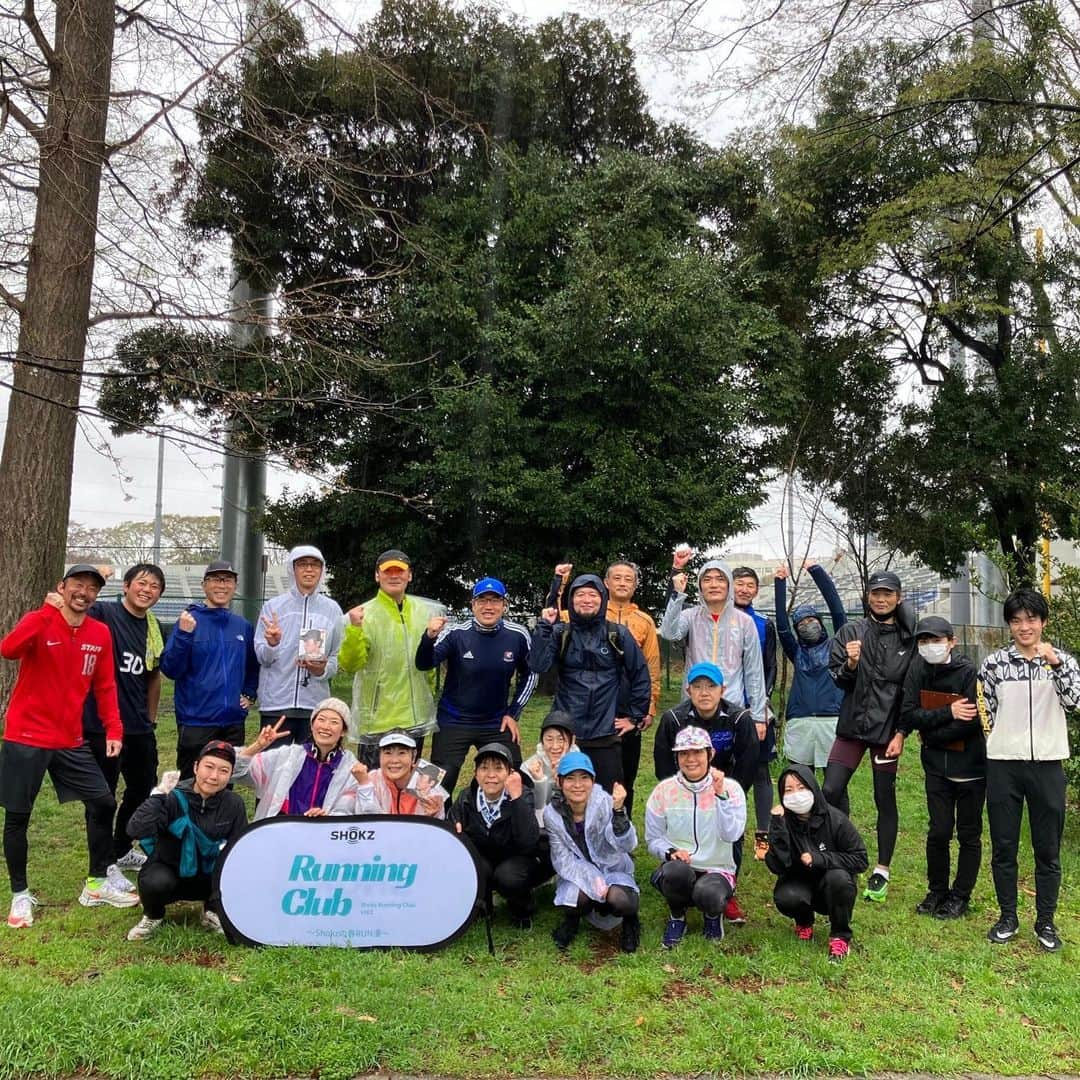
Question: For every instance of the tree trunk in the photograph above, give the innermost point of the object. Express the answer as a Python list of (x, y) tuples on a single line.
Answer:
[(39, 445)]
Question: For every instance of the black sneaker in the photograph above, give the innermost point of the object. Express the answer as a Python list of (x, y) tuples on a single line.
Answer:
[(952, 907), (521, 922), (1047, 936), (930, 903), (1005, 929), (630, 935), (566, 931)]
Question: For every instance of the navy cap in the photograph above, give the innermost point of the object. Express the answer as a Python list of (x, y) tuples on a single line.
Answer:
[(489, 585)]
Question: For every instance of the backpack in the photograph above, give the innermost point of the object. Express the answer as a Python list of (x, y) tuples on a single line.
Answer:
[(613, 636)]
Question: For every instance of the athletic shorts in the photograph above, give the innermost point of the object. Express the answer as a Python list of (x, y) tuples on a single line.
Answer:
[(808, 740), (849, 752), (74, 774)]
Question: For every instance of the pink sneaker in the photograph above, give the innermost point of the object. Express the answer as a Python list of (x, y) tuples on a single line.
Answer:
[(838, 950), (804, 933)]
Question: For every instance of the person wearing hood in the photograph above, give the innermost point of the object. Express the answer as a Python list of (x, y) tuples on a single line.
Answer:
[(483, 657), (185, 826), (816, 853), (813, 701), (953, 759), (379, 649), (556, 739), (313, 778), (691, 822), (296, 641), (495, 813), (717, 632), (591, 837), (210, 656), (868, 660), (593, 657)]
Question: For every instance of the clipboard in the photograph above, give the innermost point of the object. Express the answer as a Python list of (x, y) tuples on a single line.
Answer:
[(935, 699)]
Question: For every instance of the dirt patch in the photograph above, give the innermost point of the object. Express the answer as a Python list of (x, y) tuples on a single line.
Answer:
[(602, 949)]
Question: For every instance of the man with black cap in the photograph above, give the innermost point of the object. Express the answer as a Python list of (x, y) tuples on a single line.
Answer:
[(495, 813), (186, 826), (482, 658), (63, 654), (210, 655), (869, 659), (379, 649), (940, 704)]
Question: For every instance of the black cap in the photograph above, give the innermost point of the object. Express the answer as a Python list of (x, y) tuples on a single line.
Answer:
[(393, 555), (219, 748), (559, 719), (883, 579), (222, 566), (494, 749), (934, 626), (86, 568)]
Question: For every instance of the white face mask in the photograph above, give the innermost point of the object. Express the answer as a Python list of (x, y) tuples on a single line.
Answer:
[(934, 652), (799, 802)]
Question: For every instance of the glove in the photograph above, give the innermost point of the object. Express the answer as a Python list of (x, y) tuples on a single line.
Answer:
[(167, 782)]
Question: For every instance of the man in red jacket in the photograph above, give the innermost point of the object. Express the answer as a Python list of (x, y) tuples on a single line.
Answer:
[(63, 654)]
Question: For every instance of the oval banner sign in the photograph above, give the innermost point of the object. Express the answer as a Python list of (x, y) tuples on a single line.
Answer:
[(356, 882)]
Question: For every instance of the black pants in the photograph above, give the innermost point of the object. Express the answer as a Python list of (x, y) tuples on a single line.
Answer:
[(161, 885), (450, 746), (368, 753), (620, 901), (137, 763), (682, 887), (297, 723), (514, 879), (607, 761), (1009, 784), (191, 738), (630, 746), (830, 893), (838, 776), (959, 804)]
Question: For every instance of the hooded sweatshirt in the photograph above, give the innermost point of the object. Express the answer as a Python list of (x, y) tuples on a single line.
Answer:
[(283, 684), (730, 640), (827, 834), (590, 667)]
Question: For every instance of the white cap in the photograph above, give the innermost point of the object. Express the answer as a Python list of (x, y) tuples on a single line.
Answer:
[(397, 738)]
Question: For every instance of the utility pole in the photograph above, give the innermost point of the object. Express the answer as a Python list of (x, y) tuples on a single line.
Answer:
[(158, 500)]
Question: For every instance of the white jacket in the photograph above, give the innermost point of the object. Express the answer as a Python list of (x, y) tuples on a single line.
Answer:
[(688, 815), (273, 772)]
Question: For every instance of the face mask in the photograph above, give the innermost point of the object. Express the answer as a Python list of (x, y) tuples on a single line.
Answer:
[(799, 802), (810, 635), (935, 652)]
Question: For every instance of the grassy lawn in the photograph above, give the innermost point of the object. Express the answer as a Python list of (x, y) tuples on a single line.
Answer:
[(916, 995)]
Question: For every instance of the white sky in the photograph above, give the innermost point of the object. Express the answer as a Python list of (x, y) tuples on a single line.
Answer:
[(120, 485)]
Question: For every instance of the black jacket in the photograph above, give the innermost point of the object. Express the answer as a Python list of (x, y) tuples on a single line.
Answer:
[(827, 834), (222, 817), (734, 739), (514, 832), (950, 747), (873, 691)]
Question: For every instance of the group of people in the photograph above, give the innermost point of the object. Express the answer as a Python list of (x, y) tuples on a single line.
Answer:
[(85, 704)]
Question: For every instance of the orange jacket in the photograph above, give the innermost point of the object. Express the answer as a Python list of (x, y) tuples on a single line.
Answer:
[(641, 626)]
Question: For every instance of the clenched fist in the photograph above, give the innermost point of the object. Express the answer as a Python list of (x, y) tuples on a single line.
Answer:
[(435, 625), (854, 651), (356, 615), (186, 622)]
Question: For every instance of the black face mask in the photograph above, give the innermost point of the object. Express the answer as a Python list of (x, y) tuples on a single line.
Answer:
[(810, 635), (887, 617)]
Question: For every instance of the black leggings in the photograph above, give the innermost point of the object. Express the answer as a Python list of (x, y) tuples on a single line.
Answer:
[(620, 901), (838, 776), (682, 886), (160, 885)]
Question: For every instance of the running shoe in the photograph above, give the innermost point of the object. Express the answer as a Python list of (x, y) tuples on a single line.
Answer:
[(674, 932), (630, 935), (118, 879), (714, 927), (1047, 936), (733, 913), (143, 929), (98, 891), (1006, 928), (211, 922), (131, 860), (930, 903), (877, 888), (838, 950), (804, 933), (21, 914), (761, 845), (952, 907), (566, 931)]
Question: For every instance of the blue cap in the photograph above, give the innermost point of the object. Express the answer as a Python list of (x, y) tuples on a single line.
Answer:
[(489, 585), (576, 761), (705, 670)]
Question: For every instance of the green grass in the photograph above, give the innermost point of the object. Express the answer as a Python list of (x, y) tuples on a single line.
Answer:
[(916, 995)]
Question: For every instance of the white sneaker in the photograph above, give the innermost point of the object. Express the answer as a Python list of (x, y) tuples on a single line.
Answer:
[(118, 880), (143, 929), (98, 891), (211, 922), (22, 911), (133, 860)]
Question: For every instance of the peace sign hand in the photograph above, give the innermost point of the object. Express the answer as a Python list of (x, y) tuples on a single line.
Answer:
[(270, 735), (272, 629)]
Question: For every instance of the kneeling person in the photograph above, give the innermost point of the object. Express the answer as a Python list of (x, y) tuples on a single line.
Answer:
[(591, 838), (815, 851), (395, 786), (495, 812), (187, 825), (691, 821)]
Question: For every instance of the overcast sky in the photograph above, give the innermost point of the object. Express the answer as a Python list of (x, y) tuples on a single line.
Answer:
[(120, 485)]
